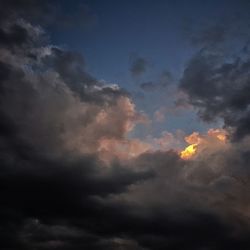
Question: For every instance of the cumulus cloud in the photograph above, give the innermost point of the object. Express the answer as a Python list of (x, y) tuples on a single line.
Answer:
[(201, 195), (55, 105), (216, 79), (219, 89), (60, 126), (53, 117)]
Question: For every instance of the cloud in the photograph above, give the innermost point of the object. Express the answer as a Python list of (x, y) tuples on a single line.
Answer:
[(57, 122), (54, 103), (216, 79), (138, 66), (187, 200), (219, 89), (165, 79), (147, 86), (53, 116)]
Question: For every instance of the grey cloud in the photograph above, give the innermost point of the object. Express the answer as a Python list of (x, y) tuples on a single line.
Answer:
[(49, 193), (165, 79), (191, 199), (148, 86), (52, 197), (219, 89), (138, 66), (50, 98)]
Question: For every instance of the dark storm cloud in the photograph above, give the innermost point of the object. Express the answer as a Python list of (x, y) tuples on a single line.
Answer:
[(55, 191), (71, 67), (216, 78), (138, 66), (220, 88), (181, 208), (60, 194), (47, 94), (46, 97)]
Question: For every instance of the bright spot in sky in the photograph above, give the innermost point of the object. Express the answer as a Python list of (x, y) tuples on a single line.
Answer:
[(188, 152), (197, 141)]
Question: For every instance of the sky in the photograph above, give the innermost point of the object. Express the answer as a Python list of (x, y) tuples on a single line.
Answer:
[(124, 125)]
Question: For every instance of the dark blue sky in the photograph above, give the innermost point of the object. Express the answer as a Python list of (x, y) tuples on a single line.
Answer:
[(160, 32)]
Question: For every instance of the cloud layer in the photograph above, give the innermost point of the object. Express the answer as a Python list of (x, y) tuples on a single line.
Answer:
[(72, 178)]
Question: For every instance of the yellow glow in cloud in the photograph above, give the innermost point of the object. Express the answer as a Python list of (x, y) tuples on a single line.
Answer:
[(212, 139), (188, 152)]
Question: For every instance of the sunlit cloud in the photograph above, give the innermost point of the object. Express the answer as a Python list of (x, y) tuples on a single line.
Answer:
[(198, 143)]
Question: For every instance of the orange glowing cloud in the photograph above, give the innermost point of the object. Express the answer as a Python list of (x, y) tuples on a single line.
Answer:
[(188, 152), (198, 143), (220, 134)]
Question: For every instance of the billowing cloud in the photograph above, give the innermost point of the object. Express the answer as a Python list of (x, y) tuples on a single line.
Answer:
[(55, 105), (203, 194), (72, 177), (54, 116), (219, 90), (216, 79)]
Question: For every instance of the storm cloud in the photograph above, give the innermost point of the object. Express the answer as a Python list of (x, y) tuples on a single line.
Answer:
[(59, 126), (220, 90)]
